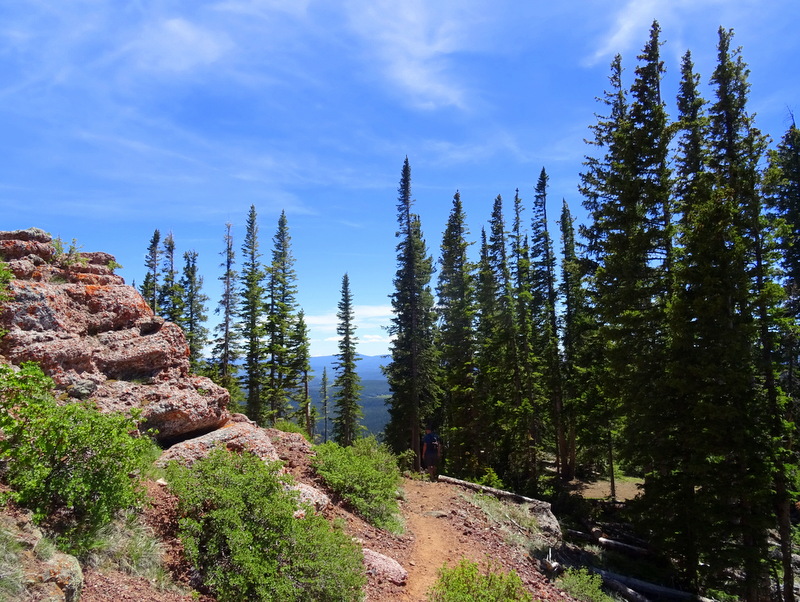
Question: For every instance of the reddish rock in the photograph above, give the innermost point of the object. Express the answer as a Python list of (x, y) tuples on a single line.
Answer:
[(98, 339), (236, 435), (383, 568)]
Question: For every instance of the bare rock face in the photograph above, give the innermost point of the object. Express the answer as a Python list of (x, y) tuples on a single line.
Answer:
[(98, 339), (239, 434)]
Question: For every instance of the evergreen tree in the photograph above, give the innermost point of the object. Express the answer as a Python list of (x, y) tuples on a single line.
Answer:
[(225, 351), (300, 357), (456, 344), (412, 373), (281, 373), (785, 189), (737, 147), (251, 313), (544, 295), (170, 293), (627, 195), (195, 316), (323, 395), (579, 390), (149, 288), (347, 383), (602, 185)]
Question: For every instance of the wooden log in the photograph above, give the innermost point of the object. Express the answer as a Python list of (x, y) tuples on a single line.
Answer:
[(651, 589), (490, 490)]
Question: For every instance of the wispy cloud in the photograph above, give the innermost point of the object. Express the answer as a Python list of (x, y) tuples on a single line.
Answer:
[(413, 42), (177, 45)]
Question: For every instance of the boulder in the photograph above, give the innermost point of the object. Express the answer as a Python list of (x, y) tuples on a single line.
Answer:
[(384, 568), (98, 339), (235, 435)]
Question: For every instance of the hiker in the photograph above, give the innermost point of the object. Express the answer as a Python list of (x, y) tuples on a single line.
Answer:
[(430, 451)]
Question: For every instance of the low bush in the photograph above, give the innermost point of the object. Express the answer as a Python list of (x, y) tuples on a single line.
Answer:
[(583, 585), (239, 530), (466, 582), (73, 466), (366, 477)]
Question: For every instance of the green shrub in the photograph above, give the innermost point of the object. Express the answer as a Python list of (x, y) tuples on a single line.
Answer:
[(71, 465), (366, 476), (466, 582), (583, 585), (490, 479), (287, 426), (239, 531)]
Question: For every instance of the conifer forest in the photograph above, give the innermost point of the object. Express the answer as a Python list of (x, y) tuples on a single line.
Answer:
[(656, 339)]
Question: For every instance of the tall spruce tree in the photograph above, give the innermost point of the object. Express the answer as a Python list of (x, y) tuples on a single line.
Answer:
[(737, 148), (544, 294), (170, 293), (300, 358), (676, 493), (602, 185), (225, 351), (456, 343), (627, 195), (194, 310), (579, 394), (150, 284), (412, 373), (347, 384), (251, 314), (281, 375), (784, 186), (324, 397)]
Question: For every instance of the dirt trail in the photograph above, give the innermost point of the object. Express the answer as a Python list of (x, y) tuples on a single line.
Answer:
[(442, 527), (436, 540)]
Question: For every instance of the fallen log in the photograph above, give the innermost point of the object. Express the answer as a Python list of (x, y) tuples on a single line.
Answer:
[(651, 589), (611, 544), (548, 523), (491, 490)]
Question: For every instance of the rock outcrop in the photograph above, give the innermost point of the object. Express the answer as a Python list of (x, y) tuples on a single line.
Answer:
[(98, 339)]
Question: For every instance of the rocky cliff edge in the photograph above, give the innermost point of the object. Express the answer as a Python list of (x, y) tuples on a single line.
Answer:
[(98, 339)]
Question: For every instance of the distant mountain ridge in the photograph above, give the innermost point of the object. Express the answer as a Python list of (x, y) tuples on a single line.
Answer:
[(368, 366), (373, 396)]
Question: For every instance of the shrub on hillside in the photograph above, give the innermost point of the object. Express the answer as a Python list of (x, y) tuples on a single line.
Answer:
[(583, 585), (73, 466), (466, 582), (239, 530), (366, 476)]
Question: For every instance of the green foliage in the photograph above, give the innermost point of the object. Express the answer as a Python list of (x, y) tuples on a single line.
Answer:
[(490, 479), (366, 476), (239, 531), (68, 256), (5, 278), (583, 585), (71, 465), (465, 582), (287, 426), (5, 294)]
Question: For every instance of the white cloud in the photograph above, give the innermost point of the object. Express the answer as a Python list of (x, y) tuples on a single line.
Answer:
[(176, 45), (413, 42), (263, 8), (629, 29)]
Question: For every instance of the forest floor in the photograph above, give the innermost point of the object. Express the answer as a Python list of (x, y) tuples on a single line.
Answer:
[(443, 524)]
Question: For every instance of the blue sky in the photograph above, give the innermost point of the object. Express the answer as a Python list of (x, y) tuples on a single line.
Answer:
[(120, 117)]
